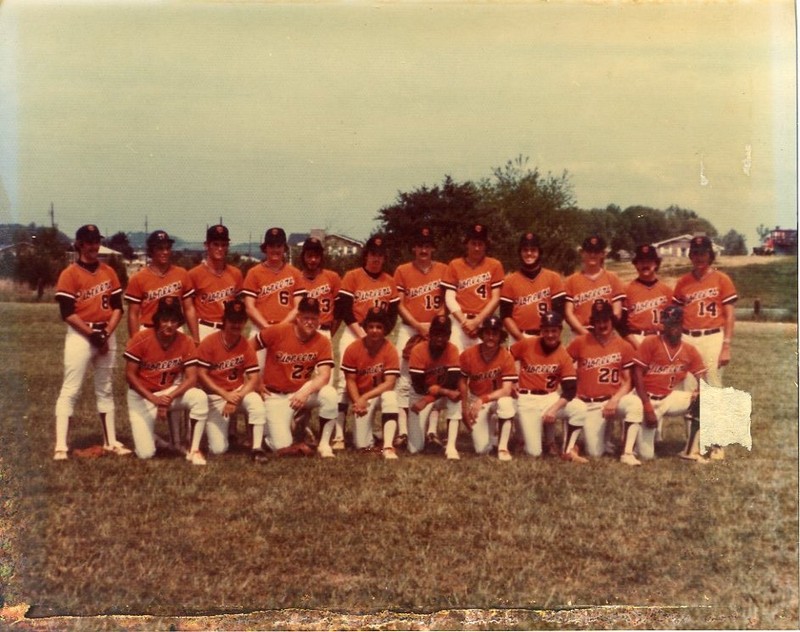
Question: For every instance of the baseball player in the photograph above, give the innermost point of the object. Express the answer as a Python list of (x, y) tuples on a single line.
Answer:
[(89, 296), (472, 287), (159, 279), (604, 363), (297, 372), (708, 297), (161, 372), (645, 297), (371, 366), (593, 282), (320, 283), (544, 366), (421, 299), (215, 281), (228, 373), (661, 365), (434, 368), (273, 288), (530, 291), (487, 380), (363, 288)]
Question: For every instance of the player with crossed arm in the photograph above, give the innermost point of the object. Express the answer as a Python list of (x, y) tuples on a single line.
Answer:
[(362, 289), (486, 384), (421, 299), (161, 371), (472, 287), (708, 297), (434, 369), (544, 366), (371, 366), (228, 373), (297, 372), (645, 297), (89, 296), (662, 363), (604, 363)]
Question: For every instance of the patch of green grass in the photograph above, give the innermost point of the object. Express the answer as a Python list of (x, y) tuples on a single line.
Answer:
[(360, 535), (775, 284)]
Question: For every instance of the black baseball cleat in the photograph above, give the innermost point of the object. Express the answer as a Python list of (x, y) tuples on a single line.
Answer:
[(400, 442), (433, 445), (259, 456)]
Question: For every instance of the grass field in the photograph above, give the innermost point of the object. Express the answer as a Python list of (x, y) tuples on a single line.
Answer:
[(358, 542)]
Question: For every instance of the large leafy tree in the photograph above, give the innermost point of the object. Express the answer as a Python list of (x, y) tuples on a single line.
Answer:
[(40, 258), (119, 242), (733, 243)]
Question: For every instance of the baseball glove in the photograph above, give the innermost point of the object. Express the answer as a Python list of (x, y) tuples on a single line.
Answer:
[(412, 342), (92, 452)]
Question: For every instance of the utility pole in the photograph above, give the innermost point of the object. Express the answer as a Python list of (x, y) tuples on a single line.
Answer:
[(52, 216)]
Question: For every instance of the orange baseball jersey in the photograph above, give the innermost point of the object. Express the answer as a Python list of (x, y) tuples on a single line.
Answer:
[(160, 368), (644, 304), (600, 367), (703, 300), (583, 291), (434, 369), (147, 286), (367, 291), (420, 292), (473, 286), (368, 369), (530, 298), (91, 291), (290, 362), (324, 287), (665, 368), (485, 377), (539, 370), (211, 290), (274, 291), (226, 367)]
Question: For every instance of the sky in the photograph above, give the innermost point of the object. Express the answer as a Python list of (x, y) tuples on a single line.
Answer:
[(171, 115)]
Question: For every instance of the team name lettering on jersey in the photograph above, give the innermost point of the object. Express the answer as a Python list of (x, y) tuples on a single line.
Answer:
[(369, 295), (491, 374), (533, 298), (646, 306), (214, 297), (540, 368), (230, 363), (167, 290), (293, 358), (611, 358), (375, 369), (593, 294), (105, 286), (277, 286), (423, 289), (472, 281), (321, 290), (699, 295), (163, 365)]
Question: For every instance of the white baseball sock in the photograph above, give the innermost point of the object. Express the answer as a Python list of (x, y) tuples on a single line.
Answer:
[(258, 436), (452, 433), (505, 433), (62, 428), (389, 428), (631, 430), (327, 430)]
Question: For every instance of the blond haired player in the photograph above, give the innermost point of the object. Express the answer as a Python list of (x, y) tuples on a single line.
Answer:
[(472, 287), (604, 362), (645, 297), (228, 373), (708, 297), (161, 371), (89, 296)]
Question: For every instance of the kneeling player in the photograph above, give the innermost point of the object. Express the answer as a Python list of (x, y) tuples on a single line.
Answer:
[(604, 362), (162, 375), (228, 372), (297, 372), (371, 366), (487, 380), (434, 370), (544, 364), (662, 363)]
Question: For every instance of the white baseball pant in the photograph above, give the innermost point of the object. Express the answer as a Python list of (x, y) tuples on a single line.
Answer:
[(362, 433), (280, 414), (345, 340), (676, 403), (710, 348), (530, 408), (403, 388), (589, 416), (461, 340), (418, 422), (217, 425), (485, 427)]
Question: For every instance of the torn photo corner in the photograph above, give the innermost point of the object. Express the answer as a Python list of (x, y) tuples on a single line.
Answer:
[(724, 417)]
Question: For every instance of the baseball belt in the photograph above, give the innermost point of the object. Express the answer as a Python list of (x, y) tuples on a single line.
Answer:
[(528, 391), (277, 391), (594, 400), (98, 326), (531, 332), (701, 332), (209, 323), (657, 398)]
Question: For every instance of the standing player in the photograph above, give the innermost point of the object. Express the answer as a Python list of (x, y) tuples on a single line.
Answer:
[(472, 287), (159, 279), (297, 370), (320, 283), (530, 291), (228, 373), (593, 282), (434, 369), (90, 299), (645, 297), (371, 366), (487, 381), (362, 289), (161, 372), (273, 288), (544, 366), (215, 281), (662, 363), (708, 297), (604, 363), (419, 285)]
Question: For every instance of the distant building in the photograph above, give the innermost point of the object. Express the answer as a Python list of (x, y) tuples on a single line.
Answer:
[(780, 241), (679, 247), (103, 254), (335, 245)]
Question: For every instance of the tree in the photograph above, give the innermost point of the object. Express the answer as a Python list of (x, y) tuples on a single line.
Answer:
[(119, 242), (40, 261), (734, 243)]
